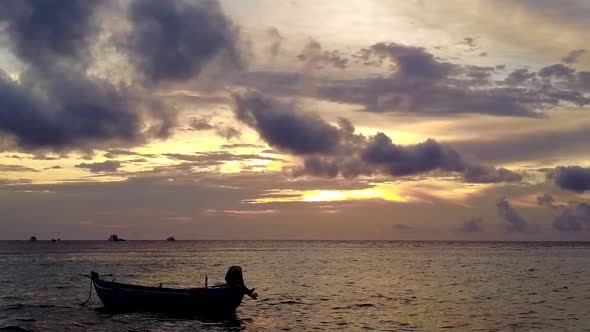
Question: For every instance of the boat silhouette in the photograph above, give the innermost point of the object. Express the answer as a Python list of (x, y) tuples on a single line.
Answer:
[(216, 301)]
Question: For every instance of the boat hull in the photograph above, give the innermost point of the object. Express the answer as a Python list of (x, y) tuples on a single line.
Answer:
[(119, 297)]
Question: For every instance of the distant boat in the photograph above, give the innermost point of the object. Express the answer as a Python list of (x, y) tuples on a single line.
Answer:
[(33, 239), (217, 300), (115, 238), (171, 239), (53, 240)]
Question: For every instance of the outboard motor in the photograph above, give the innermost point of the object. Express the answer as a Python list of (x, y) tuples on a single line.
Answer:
[(235, 278)]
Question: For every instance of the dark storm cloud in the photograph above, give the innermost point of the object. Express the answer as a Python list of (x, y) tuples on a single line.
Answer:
[(56, 104), (283, 127), (516, 223), (330, 151), (574, 178), (174, 40), (60, 109), (42, 31), (107, 166), (573, 56), (473, 225), (398, 160)]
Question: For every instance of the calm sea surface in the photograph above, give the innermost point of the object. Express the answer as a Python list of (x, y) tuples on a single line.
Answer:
[(309, 285)]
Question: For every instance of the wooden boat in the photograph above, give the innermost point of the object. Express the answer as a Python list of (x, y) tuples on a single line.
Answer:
[(217, 300)]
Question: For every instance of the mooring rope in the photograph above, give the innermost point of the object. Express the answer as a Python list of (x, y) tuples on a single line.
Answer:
[(89, 294)]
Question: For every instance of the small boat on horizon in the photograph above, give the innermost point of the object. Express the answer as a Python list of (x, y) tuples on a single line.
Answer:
[(171, 238), (33, 239), (115, 238), (218, 300)]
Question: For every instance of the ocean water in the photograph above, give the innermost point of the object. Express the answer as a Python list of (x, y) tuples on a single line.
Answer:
[(309, 285)]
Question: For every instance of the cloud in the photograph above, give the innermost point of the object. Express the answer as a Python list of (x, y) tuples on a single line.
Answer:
[(547, 142), (41, 32), (557, 70), (315, 57), (488, 174), (216, 158), (241, 145), (471, 42), (516, 223), (175, 40), (545, 200), (410, 63), (16, 168), (572, 57), (330, 151), (574, 178), (379, 155), (519, 76), (200, 124), (573, 218), (473, 225), (569, 218), (57, 103), (283, 127), (114, 153), (63, 101), (228, 132), (275, 40), (419, 83), (567, 222), (399, 160), (107, 166), (53, 167)]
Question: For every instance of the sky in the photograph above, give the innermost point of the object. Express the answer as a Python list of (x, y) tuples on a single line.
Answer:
[(260, 119)]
